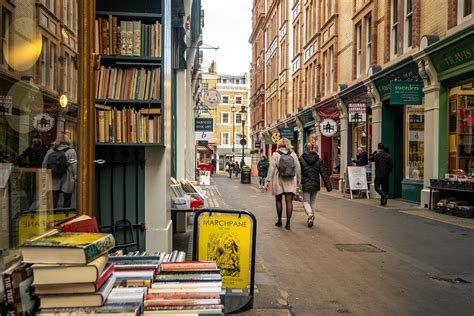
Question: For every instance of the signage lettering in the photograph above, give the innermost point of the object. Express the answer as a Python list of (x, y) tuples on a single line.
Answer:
[(406, 92), (458, 57), (203, 124)]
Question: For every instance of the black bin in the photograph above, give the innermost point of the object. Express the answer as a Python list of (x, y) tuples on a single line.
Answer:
[(245, 177)]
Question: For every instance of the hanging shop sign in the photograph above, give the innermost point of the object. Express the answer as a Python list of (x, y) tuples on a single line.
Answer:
[(203, 136), (203, 142), (257, 145), (357, 112), (288, 133), (276, 137), (328, 127), (6, 102), (211, 97), (406, 92), (203, 124), (43, 122)]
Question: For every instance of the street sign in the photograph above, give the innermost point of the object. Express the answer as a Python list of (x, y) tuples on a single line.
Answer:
[(328, 127), (211, 97), (357, 112), (203, 124), (258, 145), (243, 142), (203, 136), (288, 133), (406, 92)]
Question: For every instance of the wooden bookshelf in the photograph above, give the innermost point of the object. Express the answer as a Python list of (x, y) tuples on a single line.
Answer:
[(134, 103), (125, 60)]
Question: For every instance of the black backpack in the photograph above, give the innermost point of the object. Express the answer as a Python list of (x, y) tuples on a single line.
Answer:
[(286, 165), (58, 163)]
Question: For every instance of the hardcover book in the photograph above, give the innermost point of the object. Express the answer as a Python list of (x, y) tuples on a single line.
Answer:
[(127, 309), (61, 274), (67, 248), (19, 296), (80, 223)]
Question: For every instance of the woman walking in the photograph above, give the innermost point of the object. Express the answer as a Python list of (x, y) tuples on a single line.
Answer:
[(262, 167), (284, 177), (311, 169)]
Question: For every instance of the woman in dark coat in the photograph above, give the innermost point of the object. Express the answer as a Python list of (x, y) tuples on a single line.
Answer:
[(312, 168), (262, 167)]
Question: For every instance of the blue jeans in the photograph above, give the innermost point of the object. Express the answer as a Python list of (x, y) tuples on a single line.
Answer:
[(261, 180)]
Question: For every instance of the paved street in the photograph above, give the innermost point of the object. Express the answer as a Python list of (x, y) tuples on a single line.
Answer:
[(358, 259)]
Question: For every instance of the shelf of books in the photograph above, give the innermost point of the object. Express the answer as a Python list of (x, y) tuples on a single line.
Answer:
[(129, 80), (75, 270)]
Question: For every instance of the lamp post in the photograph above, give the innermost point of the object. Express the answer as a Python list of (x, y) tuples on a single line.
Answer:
[(233, 109), (243, 142)]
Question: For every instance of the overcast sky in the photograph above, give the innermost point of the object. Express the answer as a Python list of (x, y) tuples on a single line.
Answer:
[(227, 25)]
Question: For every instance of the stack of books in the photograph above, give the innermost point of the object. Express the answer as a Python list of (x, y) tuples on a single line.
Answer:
[(129, 38), (128, 125), (190, 288), (70, 270)]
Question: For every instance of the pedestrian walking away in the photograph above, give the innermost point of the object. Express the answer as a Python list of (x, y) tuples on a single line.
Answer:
[(284, 176), (312, 169), (262, 167), (383, 167), (214, 165)]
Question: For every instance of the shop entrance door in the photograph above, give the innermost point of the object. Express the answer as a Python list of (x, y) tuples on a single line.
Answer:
[(392, 137)]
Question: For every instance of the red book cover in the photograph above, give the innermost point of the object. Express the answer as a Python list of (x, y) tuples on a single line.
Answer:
[(109, 269), (82, 226), (470, 121)]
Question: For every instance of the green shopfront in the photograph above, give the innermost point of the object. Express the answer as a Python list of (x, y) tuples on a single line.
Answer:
[(451, 85), (401, 128)]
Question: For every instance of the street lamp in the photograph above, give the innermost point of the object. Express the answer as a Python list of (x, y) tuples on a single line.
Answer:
[(243, 141), (233, 128)]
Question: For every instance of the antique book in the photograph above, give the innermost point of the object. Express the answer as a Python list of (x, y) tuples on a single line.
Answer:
[(19, 296), (76, 288), (123, 38), (80, 223), (126, 309), (136, 37), (67, 248), (61, 274)]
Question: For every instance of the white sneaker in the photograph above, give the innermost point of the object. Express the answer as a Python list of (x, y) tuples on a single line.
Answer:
[(310, 220)]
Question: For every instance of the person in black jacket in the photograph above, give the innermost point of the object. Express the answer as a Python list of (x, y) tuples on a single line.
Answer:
[(383, 167), (312, 168), (361, 159)]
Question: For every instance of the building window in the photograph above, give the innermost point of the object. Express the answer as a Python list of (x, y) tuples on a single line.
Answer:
[(464, 10), (328, 9), (358, 49), (394, 28), (408, 38), (414, 153), (205, 86), (225, 99), (237, 138), (238, 118), (5, 42), (238, 100), (52, 67), (43, 64), (328, 57), (368, 42), (225, 138), (225, 118)]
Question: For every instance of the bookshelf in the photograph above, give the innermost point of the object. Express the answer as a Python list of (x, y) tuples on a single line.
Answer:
[(129, 41)]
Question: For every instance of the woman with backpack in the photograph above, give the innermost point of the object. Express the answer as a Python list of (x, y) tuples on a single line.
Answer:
[(312, 168), (61, 160), (284, 177)]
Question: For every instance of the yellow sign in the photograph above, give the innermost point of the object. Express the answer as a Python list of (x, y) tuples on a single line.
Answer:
[(32, 225), (275, 137), (226, 239)]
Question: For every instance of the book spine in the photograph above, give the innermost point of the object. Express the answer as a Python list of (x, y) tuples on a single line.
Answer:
[(101, 246), (104, 276)]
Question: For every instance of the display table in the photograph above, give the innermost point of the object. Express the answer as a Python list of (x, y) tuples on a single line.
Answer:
[(445, 189)]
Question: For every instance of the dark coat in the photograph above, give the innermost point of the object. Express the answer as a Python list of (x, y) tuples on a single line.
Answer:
[(383, 163), (312, 168), (262, 167), (362, 160)]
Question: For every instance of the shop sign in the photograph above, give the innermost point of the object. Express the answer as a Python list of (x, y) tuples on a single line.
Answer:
[(328, 127), (211, 97), (6, 102), (258, 145), (288, 133), (43, 122), (226, 239), (406, 92), (203, 142), (203, 124), (276, 137), (203, 136), (204, 177), (357, 112)]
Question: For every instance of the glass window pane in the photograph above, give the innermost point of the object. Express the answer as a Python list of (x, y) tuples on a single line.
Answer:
[(414, 153)]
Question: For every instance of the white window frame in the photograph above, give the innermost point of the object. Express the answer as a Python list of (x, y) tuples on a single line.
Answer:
[(408, 24), (461, 6), (368, 41), (237, 137), (235, 118), (228, 139), (393, 29), (228, 118), (241, 99), (358, 49), (228, 99)]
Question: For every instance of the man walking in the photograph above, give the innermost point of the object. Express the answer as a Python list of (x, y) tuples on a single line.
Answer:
[(383, 167)]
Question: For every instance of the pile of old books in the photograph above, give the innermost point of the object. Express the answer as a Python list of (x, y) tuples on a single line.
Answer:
[(190, 288), (70, 270)]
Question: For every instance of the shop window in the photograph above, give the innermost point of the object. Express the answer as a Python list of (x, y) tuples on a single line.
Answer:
[(461, 130), (414, 149), (35, 187), (464, 10)]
